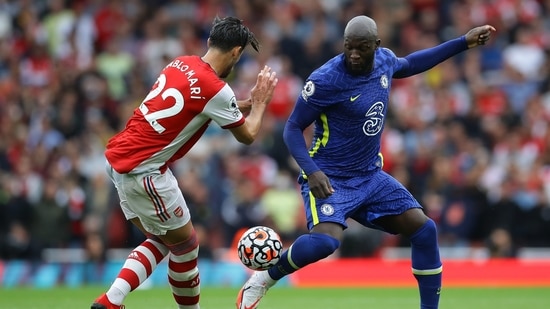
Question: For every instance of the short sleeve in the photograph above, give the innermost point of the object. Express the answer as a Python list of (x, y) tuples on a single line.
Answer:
[(223, 109)]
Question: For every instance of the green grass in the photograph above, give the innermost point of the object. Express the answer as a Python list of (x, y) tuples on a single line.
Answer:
[(288, 298)]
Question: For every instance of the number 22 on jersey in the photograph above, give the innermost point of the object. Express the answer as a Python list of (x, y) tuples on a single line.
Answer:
[(173, 110)]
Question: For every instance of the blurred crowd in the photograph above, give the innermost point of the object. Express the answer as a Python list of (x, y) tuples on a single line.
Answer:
[(470, 138)]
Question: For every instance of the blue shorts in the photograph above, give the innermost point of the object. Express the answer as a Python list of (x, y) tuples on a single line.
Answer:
[(363, 199)]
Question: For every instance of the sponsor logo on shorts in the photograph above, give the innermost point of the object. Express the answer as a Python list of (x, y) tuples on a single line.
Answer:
[(178, 212), (327, 209)]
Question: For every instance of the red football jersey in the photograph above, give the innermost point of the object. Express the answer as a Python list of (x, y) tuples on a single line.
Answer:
[(186, 97)]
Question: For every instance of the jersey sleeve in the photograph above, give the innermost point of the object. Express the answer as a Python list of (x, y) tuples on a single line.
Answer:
[(223, 109), (316, 94), (425, 59), (391, 60)]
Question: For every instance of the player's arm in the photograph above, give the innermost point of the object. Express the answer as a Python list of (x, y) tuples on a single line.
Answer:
[(301, 117), (245, 105), (426, 59), (260, 96), (293, 135)]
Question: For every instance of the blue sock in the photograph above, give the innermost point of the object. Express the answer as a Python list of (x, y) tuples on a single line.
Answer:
[(426, 264), (306, 249)]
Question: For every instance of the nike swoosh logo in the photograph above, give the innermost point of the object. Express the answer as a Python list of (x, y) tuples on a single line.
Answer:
[(240, 301), (354, 98)]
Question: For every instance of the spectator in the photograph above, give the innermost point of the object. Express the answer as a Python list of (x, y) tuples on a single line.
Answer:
[(71, 73)]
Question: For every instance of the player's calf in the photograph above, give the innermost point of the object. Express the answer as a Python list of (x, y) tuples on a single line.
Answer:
[(183, 272), (426, 264)]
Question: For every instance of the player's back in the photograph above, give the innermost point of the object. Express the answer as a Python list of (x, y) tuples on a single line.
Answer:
[(171, 118), (348, 133)]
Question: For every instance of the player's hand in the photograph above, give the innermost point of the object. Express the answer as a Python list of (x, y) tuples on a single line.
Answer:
[(319, 185), (479, 35), (262, 92), (245, 105)]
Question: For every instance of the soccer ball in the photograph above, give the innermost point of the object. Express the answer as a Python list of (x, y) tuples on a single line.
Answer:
[(259, 248)]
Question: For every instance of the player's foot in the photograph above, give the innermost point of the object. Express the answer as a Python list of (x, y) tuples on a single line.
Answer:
[(253, 290), (102, 302)]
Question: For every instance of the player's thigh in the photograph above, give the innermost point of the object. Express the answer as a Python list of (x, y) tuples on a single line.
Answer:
[(172, 236), (329, 214), (178, 235), (405, 224), (335, 230), (157, 201), (389, 206)]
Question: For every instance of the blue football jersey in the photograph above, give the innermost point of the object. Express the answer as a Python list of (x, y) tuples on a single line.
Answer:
[(352, 110)]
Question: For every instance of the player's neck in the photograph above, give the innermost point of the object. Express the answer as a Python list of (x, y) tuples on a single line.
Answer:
[(215, 59)]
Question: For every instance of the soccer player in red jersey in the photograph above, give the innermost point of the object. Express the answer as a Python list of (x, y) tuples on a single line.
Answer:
[(188, 95)]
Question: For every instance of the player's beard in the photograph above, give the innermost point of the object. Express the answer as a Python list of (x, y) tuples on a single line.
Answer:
[(226, 72), (363, 66), (228, 69)]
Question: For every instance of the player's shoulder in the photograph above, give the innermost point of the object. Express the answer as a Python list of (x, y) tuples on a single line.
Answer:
[(329, 74), (331, 67), (385, 59), (190, 64), (326, 82), (385, 52), (193, 71)]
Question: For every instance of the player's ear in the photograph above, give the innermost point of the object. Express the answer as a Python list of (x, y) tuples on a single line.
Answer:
[(378, 43), (237, 51), (208, 43)]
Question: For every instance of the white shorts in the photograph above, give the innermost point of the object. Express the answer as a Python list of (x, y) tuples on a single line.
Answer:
[(154, 198)]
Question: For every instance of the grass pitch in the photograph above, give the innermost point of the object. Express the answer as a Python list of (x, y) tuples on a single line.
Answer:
[(288, 298)]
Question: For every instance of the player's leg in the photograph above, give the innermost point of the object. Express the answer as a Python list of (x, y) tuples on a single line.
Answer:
[(397, 212), (158, 203), (143, 259), (176, 231), (183, 271), (426, 263), (326, 221), (309, 248), (321, 242), (139, 265)]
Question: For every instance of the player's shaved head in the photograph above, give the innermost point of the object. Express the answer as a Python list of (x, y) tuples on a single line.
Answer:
[(361, 27), (360, 43)]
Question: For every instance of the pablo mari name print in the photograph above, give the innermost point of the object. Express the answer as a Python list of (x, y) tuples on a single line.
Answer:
[(184, 68)]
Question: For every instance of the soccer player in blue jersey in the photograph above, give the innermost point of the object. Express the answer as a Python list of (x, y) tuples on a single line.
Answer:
[(342, 177)]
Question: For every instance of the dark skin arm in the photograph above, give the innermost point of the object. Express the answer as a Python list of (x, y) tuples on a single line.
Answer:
[(319, 185), (479, 35)]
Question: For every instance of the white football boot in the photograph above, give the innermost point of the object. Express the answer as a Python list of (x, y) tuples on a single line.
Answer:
[(254, 289)]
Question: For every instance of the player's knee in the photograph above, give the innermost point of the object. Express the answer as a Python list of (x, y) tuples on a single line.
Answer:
[(187, 247), (426, 234), (325, 244), (154, 238)]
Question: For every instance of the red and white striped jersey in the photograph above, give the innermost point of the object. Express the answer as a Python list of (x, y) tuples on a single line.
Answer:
[(186, 97)]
